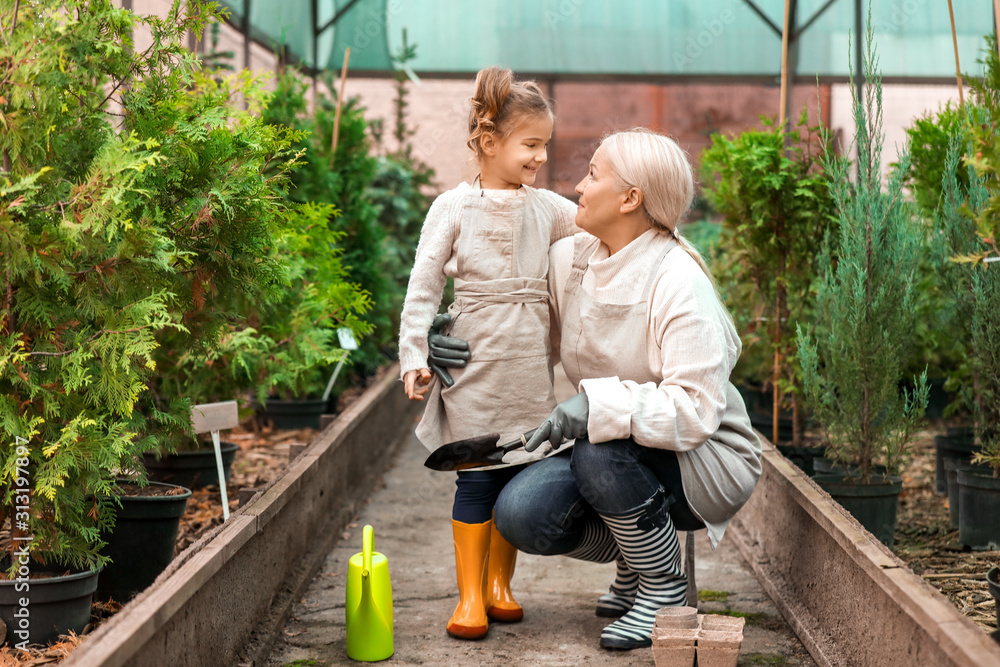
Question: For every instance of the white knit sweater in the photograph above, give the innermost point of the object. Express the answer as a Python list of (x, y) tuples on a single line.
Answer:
[(436, 258)]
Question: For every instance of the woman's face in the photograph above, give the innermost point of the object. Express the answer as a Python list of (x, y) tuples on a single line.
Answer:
[(600, 201)]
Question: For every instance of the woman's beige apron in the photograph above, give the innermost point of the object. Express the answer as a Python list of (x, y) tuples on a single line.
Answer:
[(501, 307), (605, 339), (602, 340)]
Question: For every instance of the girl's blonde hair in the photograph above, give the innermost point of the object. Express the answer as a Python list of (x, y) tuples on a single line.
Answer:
[(659, 168), (499, 103)]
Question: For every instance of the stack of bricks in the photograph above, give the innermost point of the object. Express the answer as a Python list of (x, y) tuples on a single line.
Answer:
[(681, 634)]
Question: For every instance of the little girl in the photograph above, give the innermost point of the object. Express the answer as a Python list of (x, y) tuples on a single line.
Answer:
[(493, 238)]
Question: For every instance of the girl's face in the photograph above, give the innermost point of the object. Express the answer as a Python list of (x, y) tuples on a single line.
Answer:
[(600, 201), (515, 161)]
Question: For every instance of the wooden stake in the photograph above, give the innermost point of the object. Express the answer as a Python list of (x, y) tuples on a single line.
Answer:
[(340, 106), (954, 40), (784, 65), (996, 18)]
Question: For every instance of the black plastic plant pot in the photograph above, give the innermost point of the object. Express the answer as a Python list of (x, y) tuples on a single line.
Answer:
[(295, 414), (978, 508), (803, 457), (39, 610), (873, 504), (764, 422), (993, 581), (192, 470), (827, 466), (141, 545), (958, 445)]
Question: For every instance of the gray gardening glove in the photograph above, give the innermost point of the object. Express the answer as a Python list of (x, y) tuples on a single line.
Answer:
[(567, 422), (445, 351)]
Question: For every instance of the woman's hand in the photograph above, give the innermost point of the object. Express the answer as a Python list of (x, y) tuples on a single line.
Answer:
[(416, 383), (567, 422)]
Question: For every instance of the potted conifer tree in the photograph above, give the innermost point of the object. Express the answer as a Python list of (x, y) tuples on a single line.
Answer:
[(774, 195), (979, 489), (853, 354)]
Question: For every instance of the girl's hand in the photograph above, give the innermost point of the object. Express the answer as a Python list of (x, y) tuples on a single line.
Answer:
[(416, 383)]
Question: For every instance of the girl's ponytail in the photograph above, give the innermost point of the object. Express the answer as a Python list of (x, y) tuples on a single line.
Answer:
[(499, 102), (492, 89)]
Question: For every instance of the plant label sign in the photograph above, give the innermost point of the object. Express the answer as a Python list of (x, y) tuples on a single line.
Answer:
[(346, 338), (215, 416)]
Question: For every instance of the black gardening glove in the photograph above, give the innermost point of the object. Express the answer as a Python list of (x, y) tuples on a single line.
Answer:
[(445, 351), (567, 422)]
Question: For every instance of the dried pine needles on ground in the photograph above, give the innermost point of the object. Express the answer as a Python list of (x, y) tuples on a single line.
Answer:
[(926, 543)]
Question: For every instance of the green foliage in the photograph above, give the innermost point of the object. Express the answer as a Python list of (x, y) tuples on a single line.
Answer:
[(853, 355), (986, 342), (402, 207), (954, 233), (929, 138), (984, 156), (84, 294), (941, 304), (217, 196), (341, 179), (300, 327), (774, 196), (969, 221), (397, 192), (143, 228)]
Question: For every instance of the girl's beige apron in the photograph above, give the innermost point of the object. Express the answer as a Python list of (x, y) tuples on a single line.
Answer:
[(501, 308), (601, 340)]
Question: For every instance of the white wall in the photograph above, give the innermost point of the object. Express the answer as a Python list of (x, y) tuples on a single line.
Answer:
[(901, 105)]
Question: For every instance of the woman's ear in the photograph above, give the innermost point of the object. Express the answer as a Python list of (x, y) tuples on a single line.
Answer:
[(632, 201), (488, 142)]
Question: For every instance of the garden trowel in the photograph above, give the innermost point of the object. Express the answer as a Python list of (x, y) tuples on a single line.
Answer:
[(473, 452)]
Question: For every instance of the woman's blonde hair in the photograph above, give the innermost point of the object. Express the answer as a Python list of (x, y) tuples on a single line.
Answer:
[(500, 103), (659, 168)]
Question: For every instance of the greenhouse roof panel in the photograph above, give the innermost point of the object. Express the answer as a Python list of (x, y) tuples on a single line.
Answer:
[(653, 38)]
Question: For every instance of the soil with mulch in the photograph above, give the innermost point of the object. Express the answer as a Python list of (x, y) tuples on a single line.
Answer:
[(926, 543)]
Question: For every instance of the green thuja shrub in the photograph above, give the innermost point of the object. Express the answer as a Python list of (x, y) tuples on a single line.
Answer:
[(86, 288), (774, 195), (218, 197), (300, 327), (342, 180), (854, 352)]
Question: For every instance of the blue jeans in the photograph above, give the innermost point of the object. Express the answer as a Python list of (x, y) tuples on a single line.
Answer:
[(543, 509), (476, 492)]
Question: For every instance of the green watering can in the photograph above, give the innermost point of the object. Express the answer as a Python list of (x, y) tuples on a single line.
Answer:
[(369, 604)]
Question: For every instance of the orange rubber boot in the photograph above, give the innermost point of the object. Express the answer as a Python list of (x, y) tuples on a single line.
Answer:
[(472, 551), (503, 556)]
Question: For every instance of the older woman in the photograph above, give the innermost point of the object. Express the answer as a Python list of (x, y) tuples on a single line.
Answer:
[(663, 441)]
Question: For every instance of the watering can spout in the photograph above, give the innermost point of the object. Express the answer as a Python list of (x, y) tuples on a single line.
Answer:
[(369, 604)]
